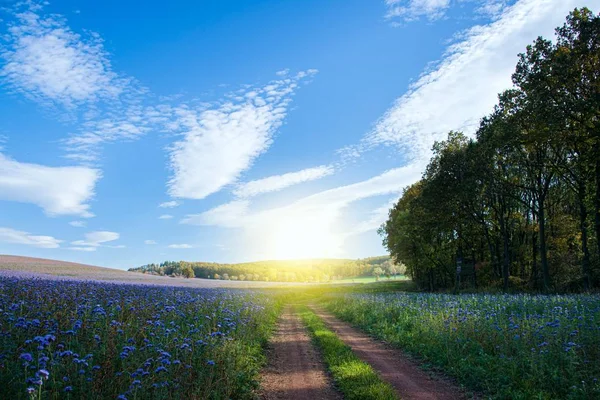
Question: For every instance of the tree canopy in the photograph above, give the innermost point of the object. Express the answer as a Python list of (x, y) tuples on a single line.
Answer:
[(518, 205)]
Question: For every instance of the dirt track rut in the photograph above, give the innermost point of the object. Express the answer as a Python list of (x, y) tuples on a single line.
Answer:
[(410, 382), (295, 370)]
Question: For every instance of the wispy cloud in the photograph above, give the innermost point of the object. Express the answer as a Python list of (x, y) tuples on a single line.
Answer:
[(118, 123), (180, 246), (57, 190), (376, 217), (221, 142), (229, 215), (70, 73), (96, 239), (48, 62), (165, 216), (150, 242), (278, 182), (9, 235), (78, 224), (82, 248), (312, 222), (463, 86), (411, 10), (170, 204)]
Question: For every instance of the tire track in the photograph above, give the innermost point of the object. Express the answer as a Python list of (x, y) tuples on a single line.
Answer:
[(295, 370)]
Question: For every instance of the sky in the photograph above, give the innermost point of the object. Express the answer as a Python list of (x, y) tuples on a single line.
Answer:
[(235, 131)]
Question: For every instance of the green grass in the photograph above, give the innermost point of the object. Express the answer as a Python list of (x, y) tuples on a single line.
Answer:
[(507, 346), (354, 378), (371, 279)]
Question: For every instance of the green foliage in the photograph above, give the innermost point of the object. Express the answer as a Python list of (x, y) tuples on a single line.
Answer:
[(315, 270), (515, 206), (355, 378), (507, 346)]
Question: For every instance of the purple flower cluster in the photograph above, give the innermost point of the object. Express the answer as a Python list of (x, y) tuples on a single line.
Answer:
[(107, 340)]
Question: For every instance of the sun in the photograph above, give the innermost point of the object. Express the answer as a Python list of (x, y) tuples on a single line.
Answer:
[(301, 237)]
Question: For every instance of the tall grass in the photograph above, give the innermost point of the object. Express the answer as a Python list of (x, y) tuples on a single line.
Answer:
[(508, 346)]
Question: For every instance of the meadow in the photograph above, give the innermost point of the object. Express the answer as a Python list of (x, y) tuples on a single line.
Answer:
[(505, 346), (74, 339), (63, 339)]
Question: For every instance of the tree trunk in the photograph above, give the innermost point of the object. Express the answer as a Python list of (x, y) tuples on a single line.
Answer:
[(505, 260), (597, 199), (583, 214), (543, 249), (534, 271)]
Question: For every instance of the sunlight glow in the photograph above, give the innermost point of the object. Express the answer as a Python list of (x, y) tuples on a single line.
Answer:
[(302, 236)]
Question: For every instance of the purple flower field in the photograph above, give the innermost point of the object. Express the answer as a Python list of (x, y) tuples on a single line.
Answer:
[(69, 339)]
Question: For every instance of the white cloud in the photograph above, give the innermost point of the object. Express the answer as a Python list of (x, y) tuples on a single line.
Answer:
[(96, 239), (150, 242), (227, 215), (463, 87), (169, 204), (57, 190), (221, 142), (78, 224), (283, 72), (278, 182), (165, 216), (309, 227), (414, 9), (411, 10), (118, 122), (180, 246), (376, 217), (8, 235), (47, 61), (82, 248), (491, 8)]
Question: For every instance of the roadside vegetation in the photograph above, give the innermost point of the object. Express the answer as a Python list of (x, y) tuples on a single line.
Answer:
[(507, 346), (353, 377)]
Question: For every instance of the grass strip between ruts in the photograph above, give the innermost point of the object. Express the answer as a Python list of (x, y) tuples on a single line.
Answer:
[(353, 377)]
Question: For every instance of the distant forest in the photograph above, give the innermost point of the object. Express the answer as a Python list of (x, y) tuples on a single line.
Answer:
[(316, 270), (518, 206)]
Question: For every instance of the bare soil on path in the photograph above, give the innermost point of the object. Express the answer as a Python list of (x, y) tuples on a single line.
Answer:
[(411, 382), (295, 370)]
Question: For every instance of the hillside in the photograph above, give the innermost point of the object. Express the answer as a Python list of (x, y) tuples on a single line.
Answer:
[(308, 270), (42, 267)]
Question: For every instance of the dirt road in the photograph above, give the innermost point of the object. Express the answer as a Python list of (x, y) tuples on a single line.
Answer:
[(404, 375), (295, 370)]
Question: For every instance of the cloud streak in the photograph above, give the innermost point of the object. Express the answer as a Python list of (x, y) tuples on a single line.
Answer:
[(48, 62), (312, 222), (57, 190), (463, 86), (9, 235), (278, 182), (180, 246), (95, 239), (221, 142)]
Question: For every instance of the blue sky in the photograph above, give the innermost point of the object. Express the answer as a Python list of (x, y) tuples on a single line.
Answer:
[(236, 130)]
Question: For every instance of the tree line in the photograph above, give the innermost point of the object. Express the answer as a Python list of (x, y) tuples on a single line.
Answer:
[(518, 205), (316, 270)]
